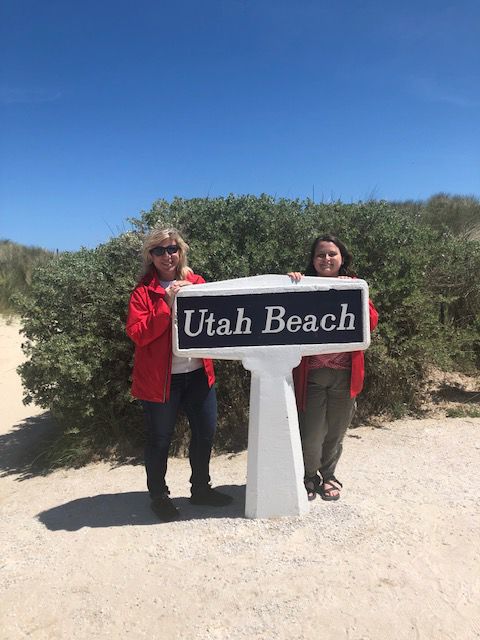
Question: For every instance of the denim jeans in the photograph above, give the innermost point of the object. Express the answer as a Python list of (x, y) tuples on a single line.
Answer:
[(189, 391)]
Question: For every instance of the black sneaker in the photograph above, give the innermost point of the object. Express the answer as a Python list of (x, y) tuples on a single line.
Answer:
[(210, 497), (164, 508)]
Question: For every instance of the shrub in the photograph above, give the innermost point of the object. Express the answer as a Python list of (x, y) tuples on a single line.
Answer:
[(79, 356), (74, 315)]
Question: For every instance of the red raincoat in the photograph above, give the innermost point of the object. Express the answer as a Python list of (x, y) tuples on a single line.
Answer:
[(149, 325)]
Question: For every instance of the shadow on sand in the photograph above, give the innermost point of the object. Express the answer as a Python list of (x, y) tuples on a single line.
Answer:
[(455, 394), (23, 446), (132, 508)]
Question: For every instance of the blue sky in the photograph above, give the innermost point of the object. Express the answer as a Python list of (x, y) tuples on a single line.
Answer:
[(108, 105)]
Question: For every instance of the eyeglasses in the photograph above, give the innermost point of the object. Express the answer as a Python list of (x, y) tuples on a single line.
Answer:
[(160, 251)]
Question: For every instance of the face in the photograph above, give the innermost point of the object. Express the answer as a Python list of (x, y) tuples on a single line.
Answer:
[(327, 259), (166, 265)]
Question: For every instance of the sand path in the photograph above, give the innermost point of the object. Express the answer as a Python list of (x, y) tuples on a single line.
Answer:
[(397, 557)]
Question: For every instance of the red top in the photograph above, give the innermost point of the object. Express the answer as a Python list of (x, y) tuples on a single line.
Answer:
[(149, 325), (300, 373), (330, 361)]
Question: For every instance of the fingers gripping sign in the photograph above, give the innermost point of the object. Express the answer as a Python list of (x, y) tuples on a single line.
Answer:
[(172, 290)]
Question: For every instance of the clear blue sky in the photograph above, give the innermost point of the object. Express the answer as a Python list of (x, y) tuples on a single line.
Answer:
[(107, 105)]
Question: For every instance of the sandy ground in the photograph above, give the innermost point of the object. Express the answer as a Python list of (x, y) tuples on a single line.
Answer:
[(397, 557)]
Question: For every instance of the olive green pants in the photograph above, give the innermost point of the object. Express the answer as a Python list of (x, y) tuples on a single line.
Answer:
[(323, 424)]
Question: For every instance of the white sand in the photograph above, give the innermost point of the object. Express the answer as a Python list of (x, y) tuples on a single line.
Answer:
[(397, 557)]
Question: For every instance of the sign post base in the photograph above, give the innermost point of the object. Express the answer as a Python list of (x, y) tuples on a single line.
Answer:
[(275, 464)]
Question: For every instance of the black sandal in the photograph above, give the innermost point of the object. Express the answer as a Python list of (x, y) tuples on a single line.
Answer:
[(312, 486), (336, 485)]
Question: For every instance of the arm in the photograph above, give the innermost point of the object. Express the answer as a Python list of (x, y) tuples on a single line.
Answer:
[(373, 315), (147, 320)]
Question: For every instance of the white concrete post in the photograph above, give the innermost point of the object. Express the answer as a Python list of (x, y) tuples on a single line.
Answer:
[(275, 463)]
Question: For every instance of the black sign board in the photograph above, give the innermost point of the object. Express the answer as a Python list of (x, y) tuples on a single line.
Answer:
[(334, 316)]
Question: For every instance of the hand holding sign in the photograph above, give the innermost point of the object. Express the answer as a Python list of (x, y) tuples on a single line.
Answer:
[(172, 290)]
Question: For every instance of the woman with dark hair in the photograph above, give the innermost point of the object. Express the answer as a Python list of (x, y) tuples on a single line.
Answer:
[(316, 252), (326, 385), (165, 382)]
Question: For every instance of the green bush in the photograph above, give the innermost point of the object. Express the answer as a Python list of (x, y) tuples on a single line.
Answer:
[(421, 280), (79, 358)]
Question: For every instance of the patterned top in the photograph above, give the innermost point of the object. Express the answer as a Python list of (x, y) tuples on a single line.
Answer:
[(330, 361)]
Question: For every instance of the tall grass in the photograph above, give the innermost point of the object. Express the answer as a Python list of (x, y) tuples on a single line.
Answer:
[(17, 263)]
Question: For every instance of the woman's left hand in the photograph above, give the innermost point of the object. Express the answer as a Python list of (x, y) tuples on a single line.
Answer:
[(173, 289)]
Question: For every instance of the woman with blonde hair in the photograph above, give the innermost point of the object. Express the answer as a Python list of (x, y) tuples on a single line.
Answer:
[(165, 382)]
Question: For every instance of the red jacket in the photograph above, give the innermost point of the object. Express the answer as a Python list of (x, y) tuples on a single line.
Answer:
[(149, 325), (300, 373)]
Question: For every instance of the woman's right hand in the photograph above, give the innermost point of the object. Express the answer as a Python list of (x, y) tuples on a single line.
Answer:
[(295, 276)]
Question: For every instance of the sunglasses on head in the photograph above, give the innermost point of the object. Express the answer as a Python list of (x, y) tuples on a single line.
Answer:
[(160, 251)]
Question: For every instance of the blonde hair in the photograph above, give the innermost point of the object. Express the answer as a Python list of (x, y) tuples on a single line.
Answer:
[(153, 239)]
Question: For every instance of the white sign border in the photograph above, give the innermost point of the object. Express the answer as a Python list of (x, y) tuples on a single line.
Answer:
[(269, 283)]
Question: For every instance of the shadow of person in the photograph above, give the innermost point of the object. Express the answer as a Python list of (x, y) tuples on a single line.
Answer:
[(132, 508)]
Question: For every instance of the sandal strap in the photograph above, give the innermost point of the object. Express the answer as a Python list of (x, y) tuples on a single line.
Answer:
[(332, 480)]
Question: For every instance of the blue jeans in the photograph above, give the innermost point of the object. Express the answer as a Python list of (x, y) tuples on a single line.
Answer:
[(191, 392)]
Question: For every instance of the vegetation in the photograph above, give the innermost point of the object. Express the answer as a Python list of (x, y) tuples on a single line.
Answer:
[(17, 264), (421, 278), (458, 214), (463, 412)]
